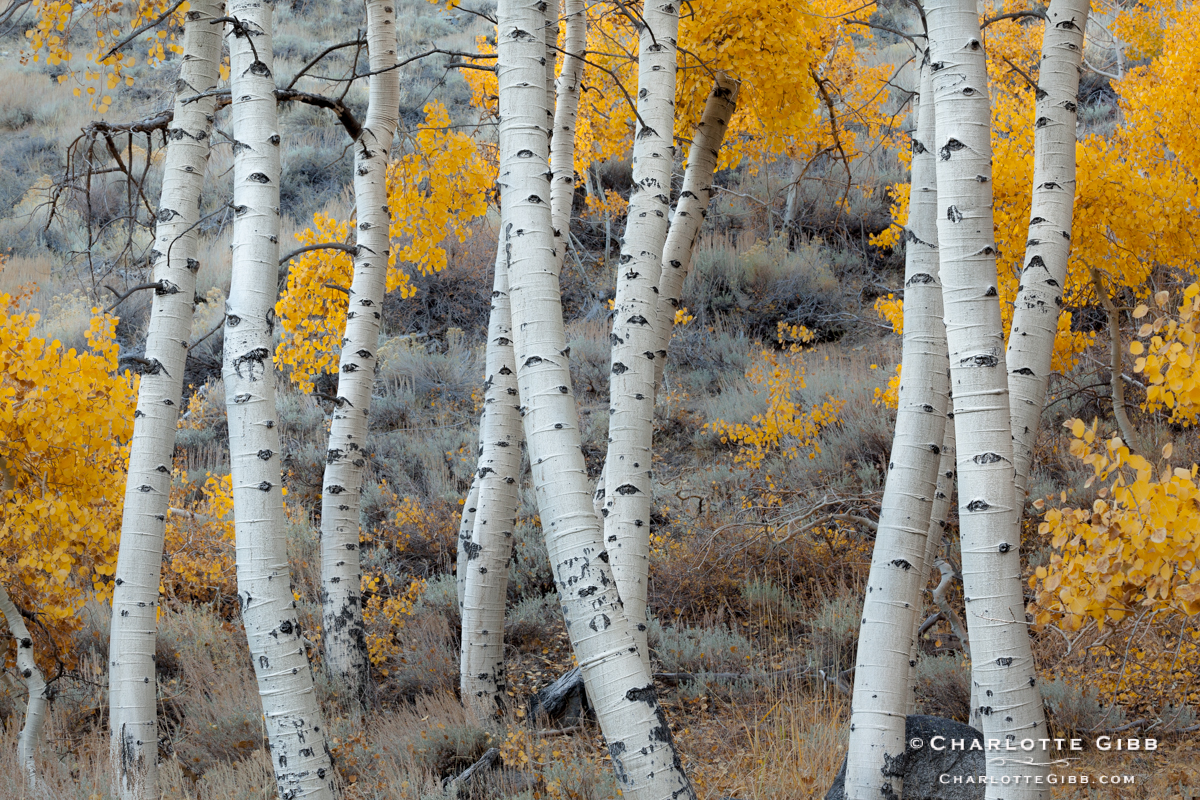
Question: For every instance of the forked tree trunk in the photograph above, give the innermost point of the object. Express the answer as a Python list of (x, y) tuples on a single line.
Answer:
[(300, 755), (629, 489), (341, 572), (35, 684), (619, 686), (898, 571), (1039, 298), (1002, 662), (132, 681), (690, 211), (487, 549)]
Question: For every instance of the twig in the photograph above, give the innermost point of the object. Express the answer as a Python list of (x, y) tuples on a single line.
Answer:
[(121, 298), (152, 24), (216, 328), (1033, 12), (346, 248), (332, 48)]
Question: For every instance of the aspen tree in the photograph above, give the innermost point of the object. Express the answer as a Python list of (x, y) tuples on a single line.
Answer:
[(1002, 663), (132, 719), (690, 211), (300, 755), (618, 685), (35, 684), (898, 564), (341, 573), (1048, 245), (486, 551), (629, 490)]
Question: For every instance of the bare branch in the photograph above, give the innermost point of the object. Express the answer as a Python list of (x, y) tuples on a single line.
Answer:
[(151, 24), (332, 48), (121, 298), (1033, 12)]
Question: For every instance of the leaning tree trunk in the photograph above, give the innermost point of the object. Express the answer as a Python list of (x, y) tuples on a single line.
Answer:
[(629, 490), (617, 682), (132, 718), (690, 211), (1002, 662), (341, 573), (35, 684), (300, 755), (486, 550), (898, 571), (1039, 298)]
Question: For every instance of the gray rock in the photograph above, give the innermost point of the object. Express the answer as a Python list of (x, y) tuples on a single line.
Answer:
[(922, 767)]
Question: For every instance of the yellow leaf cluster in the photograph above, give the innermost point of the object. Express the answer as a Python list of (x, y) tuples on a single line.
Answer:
[(198, 549), (1135, 548), (434, 192), (1169, 359), (65, 422)]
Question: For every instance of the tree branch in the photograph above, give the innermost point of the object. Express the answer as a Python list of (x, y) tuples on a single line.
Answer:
[(152, 24), (121, 298), (1128, 432), (332, 48), (1033, 12)]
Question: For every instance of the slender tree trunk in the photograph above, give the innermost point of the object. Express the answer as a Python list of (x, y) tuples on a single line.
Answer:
[(487, 551), (300, 755), (933, 541), (1039, 298), (898, 571), (619, 686), (132, 682), (629, 489), (566, 111), (485, 570), (341, 573), (690, 211), (35, 684), (466, 526), (1002, 663)]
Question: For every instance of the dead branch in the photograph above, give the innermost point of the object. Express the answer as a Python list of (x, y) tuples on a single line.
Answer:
[(949, 573)]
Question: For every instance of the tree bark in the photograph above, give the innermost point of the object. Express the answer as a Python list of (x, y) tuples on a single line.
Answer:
[(633, 722), (566, 112), (132, 681), (466, 526), (300, 755), (487, 552), (690, 211), (629, 489), (341, 573), (1002, 666), (898, 568), (35, 684), (1039, 298)]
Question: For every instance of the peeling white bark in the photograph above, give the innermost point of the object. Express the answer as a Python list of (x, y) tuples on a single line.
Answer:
[(300, 755), (1039, 298), (629, 488), (35, 684), (690, 211), (619, 686), (341, 573), (1002, 663), (132, 680), (898, 567)]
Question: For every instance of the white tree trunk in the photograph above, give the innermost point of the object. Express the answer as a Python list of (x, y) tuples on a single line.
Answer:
[(1039, 298), (132, 682), (466, 525), (1002, 662), (35, 684), (690, 211), (488, 548), (898, 573), (629, 489), (487, 552), (566, 111), (619, 686), (299, 753), (341, 574), (937, 530)]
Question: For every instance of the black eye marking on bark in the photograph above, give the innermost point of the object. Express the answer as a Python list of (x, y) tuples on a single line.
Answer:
[(619, 368), (902, 564), (978, 505), (1004, 662), (920, 277), (991, 292), (258, 177), (1005, 547), (265, 486), (952, 146), (953, 214), (335, 489), (988, 458), (265, 455), (258, 356), (1023, 371), (979, 361)]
